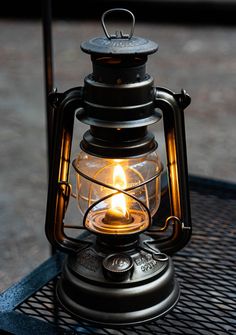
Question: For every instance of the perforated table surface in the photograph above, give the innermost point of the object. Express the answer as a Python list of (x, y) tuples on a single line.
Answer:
[(205, 268)]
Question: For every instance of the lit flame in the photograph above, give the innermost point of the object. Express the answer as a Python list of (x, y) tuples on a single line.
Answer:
[(118, 202)]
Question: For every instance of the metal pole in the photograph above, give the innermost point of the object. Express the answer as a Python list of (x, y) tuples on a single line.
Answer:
[(48, 78), (48, 73)]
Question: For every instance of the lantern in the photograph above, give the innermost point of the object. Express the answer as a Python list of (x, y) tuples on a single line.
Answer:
[(119, 271)]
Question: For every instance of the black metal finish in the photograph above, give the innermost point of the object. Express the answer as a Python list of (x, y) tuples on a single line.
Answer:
[(119, 47), (119, 44), (112, 105), (119, 97), (100, 285), (173, 106), (117, 148), (125, 69), (118, 104), (206, 271), (118, 266), (59, 187), (48, 74), (131, 104)]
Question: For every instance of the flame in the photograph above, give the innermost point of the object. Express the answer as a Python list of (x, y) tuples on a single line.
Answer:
[(118, 202)]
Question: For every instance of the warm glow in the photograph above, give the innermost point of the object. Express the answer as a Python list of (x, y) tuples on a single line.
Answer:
[(118, 202), (118, 196)]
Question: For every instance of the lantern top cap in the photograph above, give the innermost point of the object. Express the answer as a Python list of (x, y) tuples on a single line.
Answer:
[(119, 44)]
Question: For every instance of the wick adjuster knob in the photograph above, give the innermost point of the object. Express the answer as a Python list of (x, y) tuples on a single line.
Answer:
[(118, 267)]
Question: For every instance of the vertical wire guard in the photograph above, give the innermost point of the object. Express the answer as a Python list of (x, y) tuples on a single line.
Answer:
[(177, 167), (58, 190), (48, 73)]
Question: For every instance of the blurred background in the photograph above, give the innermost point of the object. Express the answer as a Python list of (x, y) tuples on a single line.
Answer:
[(197, 52)]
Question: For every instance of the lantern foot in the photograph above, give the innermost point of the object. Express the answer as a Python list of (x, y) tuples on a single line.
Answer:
[(119, 288)]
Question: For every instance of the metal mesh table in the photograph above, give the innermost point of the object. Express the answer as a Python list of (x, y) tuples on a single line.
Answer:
[(206, 270)]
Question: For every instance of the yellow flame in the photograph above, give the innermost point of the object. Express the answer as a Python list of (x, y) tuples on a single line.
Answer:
[(118, 201)]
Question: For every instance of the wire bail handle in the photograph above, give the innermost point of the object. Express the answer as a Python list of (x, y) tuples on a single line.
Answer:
[(117, 34)]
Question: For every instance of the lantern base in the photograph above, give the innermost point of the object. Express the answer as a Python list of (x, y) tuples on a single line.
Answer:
[(118, 288)]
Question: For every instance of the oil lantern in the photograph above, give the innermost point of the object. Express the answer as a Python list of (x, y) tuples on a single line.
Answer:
[(119, 271)]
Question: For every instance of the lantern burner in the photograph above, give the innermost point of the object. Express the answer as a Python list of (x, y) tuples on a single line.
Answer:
[(108, 224)]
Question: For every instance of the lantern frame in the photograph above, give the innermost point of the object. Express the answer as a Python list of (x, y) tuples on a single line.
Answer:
[(59, 192), (108, 267)]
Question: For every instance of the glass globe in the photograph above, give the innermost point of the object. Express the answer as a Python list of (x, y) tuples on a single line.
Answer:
[(118, 196)]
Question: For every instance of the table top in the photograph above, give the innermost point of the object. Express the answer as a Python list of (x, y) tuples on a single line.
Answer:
[(205, 268)]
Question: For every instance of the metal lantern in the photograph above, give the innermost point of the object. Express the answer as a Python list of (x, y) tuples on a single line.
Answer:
[(119, 271)]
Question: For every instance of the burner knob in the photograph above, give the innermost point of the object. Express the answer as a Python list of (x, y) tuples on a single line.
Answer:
[(118, 267)]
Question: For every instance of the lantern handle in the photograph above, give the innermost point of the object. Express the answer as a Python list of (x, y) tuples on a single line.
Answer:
[(118, 34)]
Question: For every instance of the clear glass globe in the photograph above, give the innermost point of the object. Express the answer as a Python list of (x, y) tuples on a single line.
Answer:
[(112, 211)]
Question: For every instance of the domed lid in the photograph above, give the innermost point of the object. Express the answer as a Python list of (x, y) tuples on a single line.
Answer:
[(119, 43)]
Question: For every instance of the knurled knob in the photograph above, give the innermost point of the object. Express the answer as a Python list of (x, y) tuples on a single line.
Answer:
[(118, 267)]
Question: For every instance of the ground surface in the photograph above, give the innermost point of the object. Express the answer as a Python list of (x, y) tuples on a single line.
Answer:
[(200, 59)]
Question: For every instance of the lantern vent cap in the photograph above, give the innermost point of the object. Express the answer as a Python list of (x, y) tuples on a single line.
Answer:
[(119, 44)]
